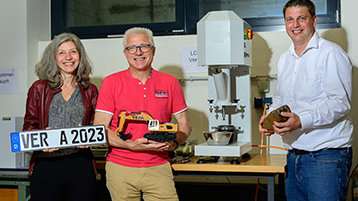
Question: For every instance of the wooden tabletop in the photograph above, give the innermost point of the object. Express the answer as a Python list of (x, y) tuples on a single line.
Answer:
[(266, 163)]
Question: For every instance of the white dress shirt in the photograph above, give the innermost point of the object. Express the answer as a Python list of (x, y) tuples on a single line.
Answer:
[(317, 86)]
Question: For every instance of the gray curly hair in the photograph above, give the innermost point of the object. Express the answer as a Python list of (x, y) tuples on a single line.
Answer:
[(47, 69), (138, 30)]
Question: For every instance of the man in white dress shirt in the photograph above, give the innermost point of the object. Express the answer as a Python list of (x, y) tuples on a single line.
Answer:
[(315, 81)]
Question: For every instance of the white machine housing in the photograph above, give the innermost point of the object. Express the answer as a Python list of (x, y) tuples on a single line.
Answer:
[(10, 160), (224, 49)]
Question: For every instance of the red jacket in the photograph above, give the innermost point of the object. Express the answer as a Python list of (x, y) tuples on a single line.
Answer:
[(39, 98)]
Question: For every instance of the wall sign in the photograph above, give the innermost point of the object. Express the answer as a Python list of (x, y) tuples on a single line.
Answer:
[(189, 60), (8, 81)]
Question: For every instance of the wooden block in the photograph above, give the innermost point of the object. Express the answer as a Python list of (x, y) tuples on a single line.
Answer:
[(275, 115)]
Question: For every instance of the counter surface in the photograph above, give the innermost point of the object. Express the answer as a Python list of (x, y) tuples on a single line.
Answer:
[(272, 163)]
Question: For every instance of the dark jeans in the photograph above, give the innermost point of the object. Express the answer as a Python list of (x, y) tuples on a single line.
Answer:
[(318, 176), (66, 178)]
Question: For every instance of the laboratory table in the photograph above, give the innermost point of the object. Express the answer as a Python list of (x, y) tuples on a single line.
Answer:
[(261, 166), (266, 166)]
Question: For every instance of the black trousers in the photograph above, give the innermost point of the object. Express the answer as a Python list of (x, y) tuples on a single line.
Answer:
[(65, 178)]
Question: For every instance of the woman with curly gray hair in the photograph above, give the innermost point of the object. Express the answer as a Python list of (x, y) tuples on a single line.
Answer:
[(62, 97)]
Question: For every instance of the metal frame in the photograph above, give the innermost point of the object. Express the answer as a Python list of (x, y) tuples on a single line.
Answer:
[(187, 15), (19, 179)]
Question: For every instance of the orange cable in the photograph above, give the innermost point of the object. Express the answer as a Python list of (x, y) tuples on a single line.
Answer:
[(262, 134), (258, 179), (261, 150), (257, 188), (262, 146)]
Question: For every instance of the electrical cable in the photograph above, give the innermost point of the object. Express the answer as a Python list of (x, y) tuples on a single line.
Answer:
[(262, 134), (269, 146), (261, 150), (261, 146), (257, 188)]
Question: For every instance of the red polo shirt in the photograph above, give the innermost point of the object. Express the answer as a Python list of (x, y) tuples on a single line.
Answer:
[(161, 96)]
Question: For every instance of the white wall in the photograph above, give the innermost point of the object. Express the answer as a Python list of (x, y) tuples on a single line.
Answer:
[(22, 25), (38, 29), (13, 42)]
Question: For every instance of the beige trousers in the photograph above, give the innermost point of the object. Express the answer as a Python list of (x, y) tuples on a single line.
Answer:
[(129, 183)]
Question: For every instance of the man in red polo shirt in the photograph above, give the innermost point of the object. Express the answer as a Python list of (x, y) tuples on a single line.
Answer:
[(137, 165)]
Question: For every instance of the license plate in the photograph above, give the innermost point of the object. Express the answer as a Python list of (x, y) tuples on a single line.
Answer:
[(57, 138)]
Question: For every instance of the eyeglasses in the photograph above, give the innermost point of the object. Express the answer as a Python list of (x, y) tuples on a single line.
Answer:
[(144, 48)]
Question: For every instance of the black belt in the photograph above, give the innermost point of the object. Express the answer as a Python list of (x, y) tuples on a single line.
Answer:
[(301, 152)]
